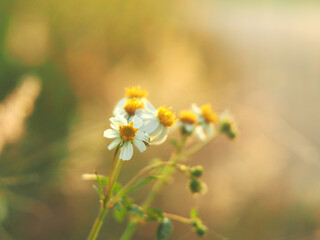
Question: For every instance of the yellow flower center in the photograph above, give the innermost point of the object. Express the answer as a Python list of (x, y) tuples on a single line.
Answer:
[(132, 104), (187, 116), (166, 117), (127, 132), (208, 114), (136, 92)]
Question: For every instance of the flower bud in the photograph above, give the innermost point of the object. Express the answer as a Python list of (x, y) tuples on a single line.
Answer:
[(195, 186), (228, 128), (196, 171), (201, 230), (228, 125)]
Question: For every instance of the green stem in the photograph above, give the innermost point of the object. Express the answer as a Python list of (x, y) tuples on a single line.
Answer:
[(111, 175), (114, 173), (114, 179), (167, 171), (98, 223), (130, 229), (134, 179)]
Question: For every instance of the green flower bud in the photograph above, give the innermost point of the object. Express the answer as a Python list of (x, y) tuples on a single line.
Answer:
[(228, 124), (196, 171), (201, 230), (228, 128), (195, 186)]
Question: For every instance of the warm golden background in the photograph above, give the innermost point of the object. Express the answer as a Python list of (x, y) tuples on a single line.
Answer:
[(64, 64)]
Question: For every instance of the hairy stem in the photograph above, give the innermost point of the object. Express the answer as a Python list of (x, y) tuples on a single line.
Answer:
[(114, 172)]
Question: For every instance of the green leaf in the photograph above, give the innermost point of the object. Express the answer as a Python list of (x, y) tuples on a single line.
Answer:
[(100, 185), (119, 212), (118, 206), (193, 213), (126, 201), (154, 214), (97, 190), (142, 183), (164, 229), (135, 209), (116, 188)]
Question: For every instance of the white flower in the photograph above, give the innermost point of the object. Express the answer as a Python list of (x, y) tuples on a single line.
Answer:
[(135, 98), (187, 121), (126, 134), (207, 120), (157, 123)]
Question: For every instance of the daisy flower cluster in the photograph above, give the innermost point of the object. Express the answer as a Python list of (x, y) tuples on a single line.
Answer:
[(137, 122)]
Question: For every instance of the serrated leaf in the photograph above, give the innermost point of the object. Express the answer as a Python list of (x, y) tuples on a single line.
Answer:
[(142, 183), (154, 214), (164, 229)]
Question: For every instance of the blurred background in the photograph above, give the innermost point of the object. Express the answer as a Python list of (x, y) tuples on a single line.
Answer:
[(65, 63)]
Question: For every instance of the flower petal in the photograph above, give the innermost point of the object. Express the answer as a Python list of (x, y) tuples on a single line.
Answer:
[(111, 133), (161, 137), (142, 136), (119, 105), (114, 143), (149, 106), (137, 122), (156, 131), (195, 108), (145, 115), (188, 127), (127, 151), (129, 117), (200, 133), (150, 126), (114, 126), (139, 144), (121, 119), (210, 129), (114, 123)]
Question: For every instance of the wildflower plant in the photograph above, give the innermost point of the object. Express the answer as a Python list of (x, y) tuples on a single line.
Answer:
[(136, 122)]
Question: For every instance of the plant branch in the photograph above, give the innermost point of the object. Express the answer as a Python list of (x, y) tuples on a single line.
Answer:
[(114, 172), (135, 178), (177, 218), (167, 171)]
